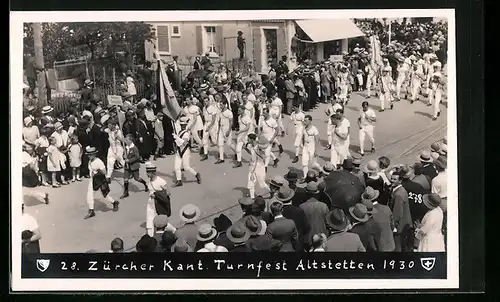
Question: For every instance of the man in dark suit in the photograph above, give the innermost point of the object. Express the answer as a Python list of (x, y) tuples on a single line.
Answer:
[(428, 168), (132, 165), (403, 223), (383, 220), (170, 71), (315, 212), (258, 238), (283, 229), (129, 126), (143, 137), (294, 213), (359, 220), (290, 91)]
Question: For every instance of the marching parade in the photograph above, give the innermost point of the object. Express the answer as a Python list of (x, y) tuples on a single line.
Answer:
[(247, 118)]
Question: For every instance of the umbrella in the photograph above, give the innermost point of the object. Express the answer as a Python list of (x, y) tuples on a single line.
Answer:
[(343, 188), (197, 73)]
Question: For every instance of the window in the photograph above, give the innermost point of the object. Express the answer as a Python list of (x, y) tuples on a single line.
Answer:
[(163, 39), (210, 39), (176, 31)]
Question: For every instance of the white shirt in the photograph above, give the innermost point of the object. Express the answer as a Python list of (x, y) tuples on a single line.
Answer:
[(156, 184), (298, 121), (31, 134), (244, 122), (439, 184), (224, 119), (96, 165), (61, 138), (342, 129), (150, 115), (210, 114), (269, 127), (332, 109), (275, 108), (29, 223), (310, 136), (364, 121)]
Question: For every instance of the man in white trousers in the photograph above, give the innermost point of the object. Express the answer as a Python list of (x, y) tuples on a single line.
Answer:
[(437, 83), (310, 139), (366, 122), (269, 129), (402, 80), (331, 110), (155, 184), (249, 101), (276, 109), (115, 150), (385, 88), (257, 171), (371, 79), (297, 119), (242, 134), (193, 114), (183, 154), (210, 128), (340, 140), (97, 182), (224, 135), (417, 78)]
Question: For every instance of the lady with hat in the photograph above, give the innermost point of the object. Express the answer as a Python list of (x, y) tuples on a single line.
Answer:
[(372, 177), (359, 225), (97, 182), (30, 131), (189, 214), (257, 171), (340, 240), (429, 231)]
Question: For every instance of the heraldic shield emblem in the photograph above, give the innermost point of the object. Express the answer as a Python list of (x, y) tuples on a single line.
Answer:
[(428, 263), (42, 264)]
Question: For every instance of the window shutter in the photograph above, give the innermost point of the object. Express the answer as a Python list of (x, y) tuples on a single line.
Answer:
[(148, 51), (162, 35), (257, 49), (199, 41), (219, 41), (281, 41)]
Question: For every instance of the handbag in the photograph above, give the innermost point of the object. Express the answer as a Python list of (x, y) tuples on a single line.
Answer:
[(162, 202)]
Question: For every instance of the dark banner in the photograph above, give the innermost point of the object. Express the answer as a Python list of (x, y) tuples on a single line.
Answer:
[(237, 265)]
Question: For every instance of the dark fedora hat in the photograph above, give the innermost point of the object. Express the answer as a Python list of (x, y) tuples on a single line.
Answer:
[(181, 246), (285, 194), (312, 188), (222, 223), (336, 219), (253, 225), (359, 212), (238, 233), (291, 176), (431, 201), (441, 162), (370, 194)]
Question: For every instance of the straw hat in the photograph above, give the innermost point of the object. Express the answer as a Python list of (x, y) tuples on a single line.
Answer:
[(425, 156), (28, 120), (371, 167), (181, 246), (150, 167), (90, 150), (189, 213), (206, 232), (47, 110)]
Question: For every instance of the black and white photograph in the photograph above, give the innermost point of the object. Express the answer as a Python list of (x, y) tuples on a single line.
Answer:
[(321, 138)]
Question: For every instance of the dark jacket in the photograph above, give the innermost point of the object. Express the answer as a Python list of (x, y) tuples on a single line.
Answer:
[(263, 243), (134, 158), (299, 217), (344, 242), (385, 222), (315, 212), (299, 197), (415, 198), (366, 233), (129, 127), (189, 233), (222, 240), (401, 209), (290, 89), (239, 249), (284, 230), (429, 170)]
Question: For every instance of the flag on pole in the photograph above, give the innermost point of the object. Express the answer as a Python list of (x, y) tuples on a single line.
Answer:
[(376, 58), (165, 93)]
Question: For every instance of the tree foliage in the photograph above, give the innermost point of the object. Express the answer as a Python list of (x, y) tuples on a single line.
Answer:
[(65, 41)]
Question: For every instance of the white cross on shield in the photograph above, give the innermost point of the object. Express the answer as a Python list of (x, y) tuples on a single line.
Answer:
[(428, 263), (42, 264)]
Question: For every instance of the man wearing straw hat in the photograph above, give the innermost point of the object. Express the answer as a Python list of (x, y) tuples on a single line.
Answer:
[(97, 181), (183, 154), (257, 171), (189, 214)]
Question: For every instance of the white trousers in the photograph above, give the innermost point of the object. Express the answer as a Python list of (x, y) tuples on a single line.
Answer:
[(370, 80), (339, 152), (269, 155), (308, 158), (209, 136), (257, 176), (195, 136), (90, 195), (183, 162), (399, 84), (150, 215), (329, 130), (240, 141), (114, 155), (385, 98), (366, 130), (222, 140), (416, 83), (435, 99)]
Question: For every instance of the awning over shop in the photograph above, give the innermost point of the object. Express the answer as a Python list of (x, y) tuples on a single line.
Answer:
[(320, 30)]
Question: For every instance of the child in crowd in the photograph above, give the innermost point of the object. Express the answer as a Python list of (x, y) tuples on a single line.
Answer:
[(72, 125), (54, 163), (359, 77), (41, 145), (75, 158)]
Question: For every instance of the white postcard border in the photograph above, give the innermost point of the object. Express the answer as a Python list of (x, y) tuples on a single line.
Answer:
[(16, 72)]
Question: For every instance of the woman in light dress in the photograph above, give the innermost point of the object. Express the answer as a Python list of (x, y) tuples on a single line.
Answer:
[(429, 232)]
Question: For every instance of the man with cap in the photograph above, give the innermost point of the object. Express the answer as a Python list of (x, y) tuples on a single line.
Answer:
[(269, 128), (386, 88), (429, 231), (428, 168), (97, 181), (132, 160), (183, 154), (242, 134), (257, 170), (420, 178), (382, 219), (297, 118), (161, 224), (415, 193), (276, 183), (294, 213), (144, 138), (403, 223), (340, 240), (315, 212), (189, 214), (46, 117), (366, 123), (259, 241), (283, 229), (310, 139), (211, 125), (224, 130)]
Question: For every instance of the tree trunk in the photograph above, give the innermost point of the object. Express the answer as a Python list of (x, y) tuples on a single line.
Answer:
[(37, 38)]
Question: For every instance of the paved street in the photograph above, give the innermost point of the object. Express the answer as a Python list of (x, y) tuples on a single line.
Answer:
[(400, 134)]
